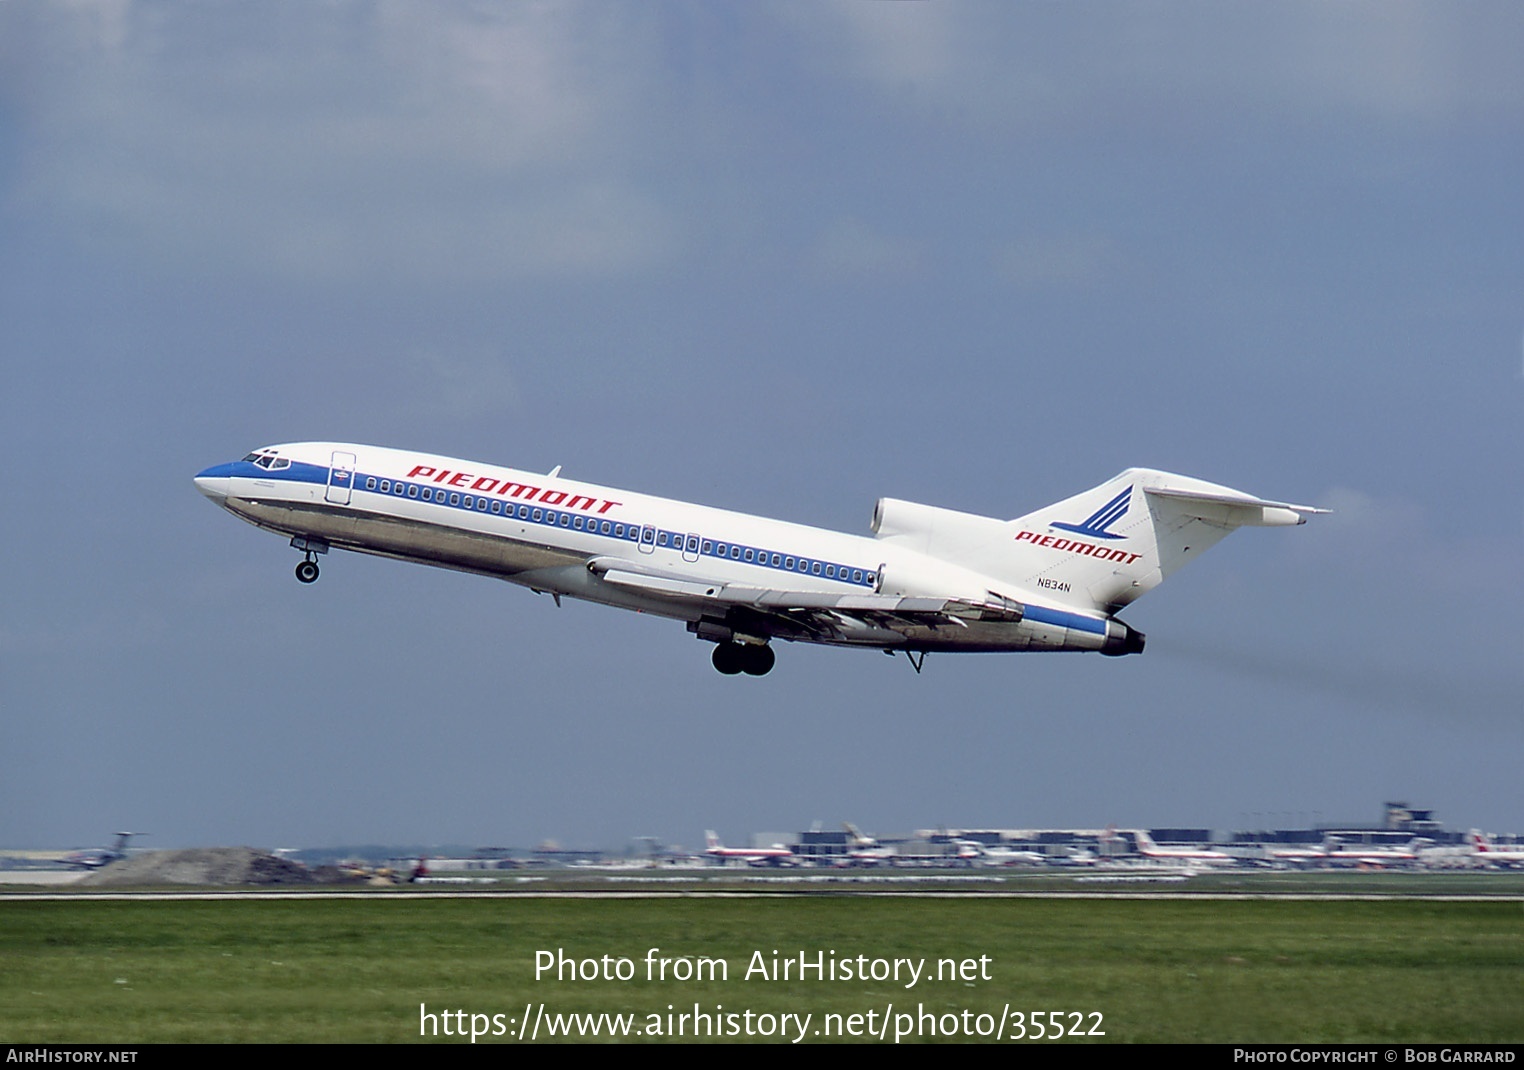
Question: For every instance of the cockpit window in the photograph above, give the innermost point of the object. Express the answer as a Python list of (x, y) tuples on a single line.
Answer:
[(268, 460)]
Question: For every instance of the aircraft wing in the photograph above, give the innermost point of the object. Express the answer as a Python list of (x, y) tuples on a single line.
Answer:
[(815, 614)]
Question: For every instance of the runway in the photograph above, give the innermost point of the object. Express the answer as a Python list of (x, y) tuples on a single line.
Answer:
[(41, 876), (404, 895)]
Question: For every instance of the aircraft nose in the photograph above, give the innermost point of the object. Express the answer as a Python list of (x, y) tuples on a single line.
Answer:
[(213, 482)]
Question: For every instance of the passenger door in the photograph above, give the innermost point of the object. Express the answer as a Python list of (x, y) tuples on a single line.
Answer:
[(341, 477)]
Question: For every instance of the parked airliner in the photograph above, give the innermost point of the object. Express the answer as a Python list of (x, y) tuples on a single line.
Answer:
[(1492, 855), (929, 579), (998, 854), (865, 850), (776, 855), (1203, 855)]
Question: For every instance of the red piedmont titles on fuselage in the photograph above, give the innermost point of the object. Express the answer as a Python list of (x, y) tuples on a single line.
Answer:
[(510, 489)]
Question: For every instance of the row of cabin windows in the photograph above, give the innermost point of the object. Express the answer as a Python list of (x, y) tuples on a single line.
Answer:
[(631, 532)]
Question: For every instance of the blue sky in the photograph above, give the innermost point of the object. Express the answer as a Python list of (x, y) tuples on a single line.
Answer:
[(778, 257)]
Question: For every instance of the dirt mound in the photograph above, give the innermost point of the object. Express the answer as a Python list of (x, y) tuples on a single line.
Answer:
[(199, 865)]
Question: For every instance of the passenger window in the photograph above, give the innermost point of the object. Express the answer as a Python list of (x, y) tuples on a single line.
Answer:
[(412, 491)]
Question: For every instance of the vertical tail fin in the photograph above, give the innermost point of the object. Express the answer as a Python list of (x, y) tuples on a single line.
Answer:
[(1112, 544), (1098, 550)]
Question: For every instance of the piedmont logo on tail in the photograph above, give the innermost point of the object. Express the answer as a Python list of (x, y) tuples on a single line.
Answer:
[(1096, 523), (928, 579)]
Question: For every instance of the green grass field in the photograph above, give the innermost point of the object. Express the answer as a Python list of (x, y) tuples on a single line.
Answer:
[(280, 969)]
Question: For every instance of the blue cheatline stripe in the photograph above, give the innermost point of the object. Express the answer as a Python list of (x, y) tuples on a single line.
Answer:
[(1061, 619), (530, 513), (296, 472), (831, 571)]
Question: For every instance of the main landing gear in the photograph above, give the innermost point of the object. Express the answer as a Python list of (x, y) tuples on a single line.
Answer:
[(307, 571), (751, 658)]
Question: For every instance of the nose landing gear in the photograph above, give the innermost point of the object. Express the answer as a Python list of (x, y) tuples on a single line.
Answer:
[(307, 571)]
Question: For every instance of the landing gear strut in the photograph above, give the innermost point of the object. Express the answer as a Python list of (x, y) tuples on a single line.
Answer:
[(307, 571), (750, 658)]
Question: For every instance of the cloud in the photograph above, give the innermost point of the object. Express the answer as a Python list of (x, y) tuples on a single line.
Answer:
[(852, 249), (1055, 259), (1002, 63), (458, 385), (447, 142), (901, 44), (1394, 541)]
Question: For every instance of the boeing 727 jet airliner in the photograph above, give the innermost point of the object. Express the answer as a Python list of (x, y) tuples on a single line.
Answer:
[(929, 578)]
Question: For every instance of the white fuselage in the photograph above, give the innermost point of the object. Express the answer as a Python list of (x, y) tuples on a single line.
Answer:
[(671, 558)]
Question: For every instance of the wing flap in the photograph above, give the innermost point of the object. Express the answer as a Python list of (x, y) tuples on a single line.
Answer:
[(821, 607)]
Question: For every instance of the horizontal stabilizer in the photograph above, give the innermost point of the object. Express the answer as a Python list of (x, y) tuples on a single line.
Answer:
[(1235, 510)]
